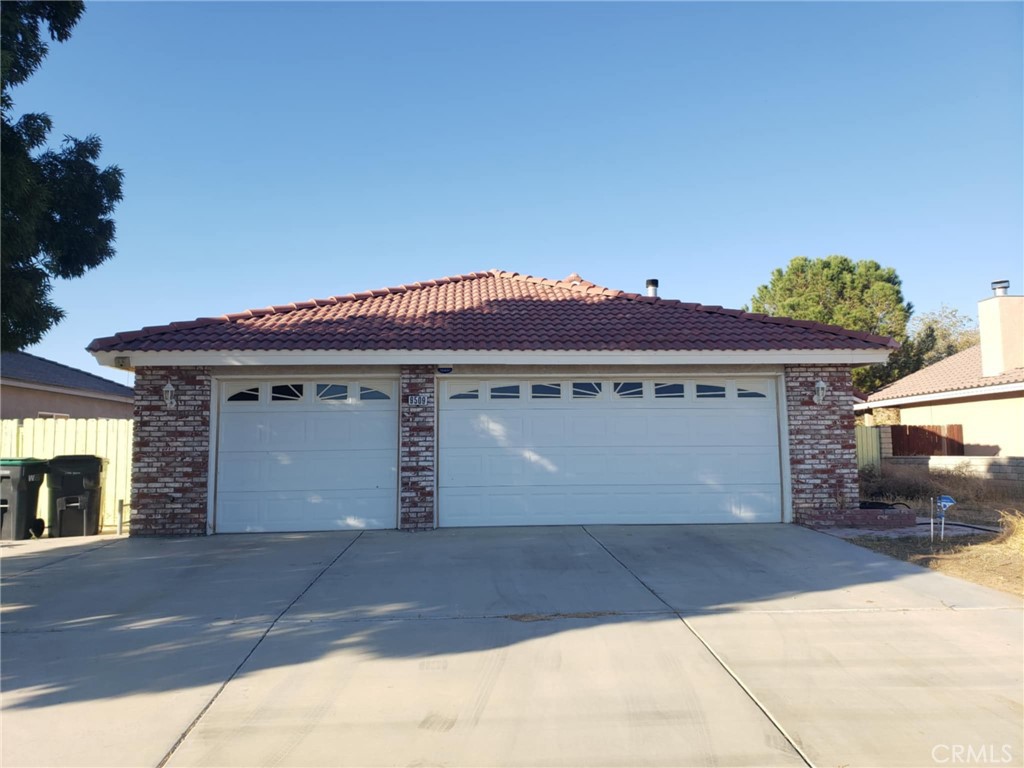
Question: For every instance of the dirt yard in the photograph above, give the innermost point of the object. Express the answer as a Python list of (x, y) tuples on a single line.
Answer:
[(990, 559)]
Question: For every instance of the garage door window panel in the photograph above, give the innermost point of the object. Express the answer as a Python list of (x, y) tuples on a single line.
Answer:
[(669, 390), (241, 393), (504, 391), (629, 390), (546, 391), (711, 391), (287, 393), (332, 393), (374, 391), (586, 390), (463, 390)]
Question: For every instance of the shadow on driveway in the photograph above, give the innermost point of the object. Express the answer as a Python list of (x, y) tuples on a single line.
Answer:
[(141, 617)]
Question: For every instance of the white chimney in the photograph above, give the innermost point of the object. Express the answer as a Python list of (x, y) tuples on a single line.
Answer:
[(652, 287), (1001, 325)]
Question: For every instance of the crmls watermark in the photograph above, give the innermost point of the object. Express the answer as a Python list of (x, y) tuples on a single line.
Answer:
[(972, 754)]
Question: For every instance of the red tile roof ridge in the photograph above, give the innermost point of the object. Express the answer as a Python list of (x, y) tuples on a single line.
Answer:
[(576, 285), (247, 314), (585, 286)]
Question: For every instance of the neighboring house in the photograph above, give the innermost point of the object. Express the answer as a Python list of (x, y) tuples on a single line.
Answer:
[(491, 398), (981, 388), (32, 387)]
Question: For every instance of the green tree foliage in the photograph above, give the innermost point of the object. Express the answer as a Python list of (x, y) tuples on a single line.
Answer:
[(860, 296), (953, 331), (56, 204)]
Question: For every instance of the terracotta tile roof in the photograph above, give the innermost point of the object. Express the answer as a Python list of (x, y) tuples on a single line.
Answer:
[(492, 311), (959, 371), (21, 366)]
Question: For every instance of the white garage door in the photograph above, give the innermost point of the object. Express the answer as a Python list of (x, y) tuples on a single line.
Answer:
[(613, 450), (313, 455)]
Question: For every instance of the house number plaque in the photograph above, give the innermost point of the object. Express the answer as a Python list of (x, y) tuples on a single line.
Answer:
[(419, 399)]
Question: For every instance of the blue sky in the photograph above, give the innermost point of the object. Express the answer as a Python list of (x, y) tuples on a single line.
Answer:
[(275, 152)]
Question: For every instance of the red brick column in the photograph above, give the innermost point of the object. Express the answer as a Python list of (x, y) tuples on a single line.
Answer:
[(822, 446), (417, 476), (171, 453)]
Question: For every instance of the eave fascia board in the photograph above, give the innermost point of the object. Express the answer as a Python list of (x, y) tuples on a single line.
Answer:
[(496, 357), (956, 394), (89, 393)]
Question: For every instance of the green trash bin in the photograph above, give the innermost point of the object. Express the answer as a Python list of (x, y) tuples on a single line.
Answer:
[(75, 484), (20, 481)]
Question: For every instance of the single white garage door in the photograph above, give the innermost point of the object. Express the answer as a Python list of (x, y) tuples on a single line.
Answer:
[(609, 450), (315, 455)]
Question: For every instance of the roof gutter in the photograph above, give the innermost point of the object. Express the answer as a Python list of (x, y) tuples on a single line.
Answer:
[(129, 360), (956, 394)]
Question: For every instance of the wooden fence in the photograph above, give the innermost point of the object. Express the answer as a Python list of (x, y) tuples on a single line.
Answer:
[(110, 439), (935, 440)]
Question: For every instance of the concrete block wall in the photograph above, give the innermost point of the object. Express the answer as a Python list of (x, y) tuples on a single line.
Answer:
[(1006, 471), (170, 452), (822, 447), (417, 448)]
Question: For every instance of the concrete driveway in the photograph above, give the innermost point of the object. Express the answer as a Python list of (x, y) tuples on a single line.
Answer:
[(569, 646)]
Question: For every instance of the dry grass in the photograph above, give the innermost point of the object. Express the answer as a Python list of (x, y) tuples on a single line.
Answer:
[(992, 560), (979, 500)]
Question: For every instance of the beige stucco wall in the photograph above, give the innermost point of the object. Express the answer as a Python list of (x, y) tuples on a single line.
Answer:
[(1001, 321), (20, 403), (992, 427)]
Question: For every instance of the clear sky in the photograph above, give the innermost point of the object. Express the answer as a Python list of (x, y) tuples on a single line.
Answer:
[(275, 152)]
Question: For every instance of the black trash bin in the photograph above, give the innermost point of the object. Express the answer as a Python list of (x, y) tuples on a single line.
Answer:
[(75, 484), (20, 480)]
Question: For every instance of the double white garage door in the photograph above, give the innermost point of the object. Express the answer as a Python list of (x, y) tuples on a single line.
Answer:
[(322, 455)]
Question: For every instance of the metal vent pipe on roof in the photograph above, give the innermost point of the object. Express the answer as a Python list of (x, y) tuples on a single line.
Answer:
[(1000, 287), (652, 287)]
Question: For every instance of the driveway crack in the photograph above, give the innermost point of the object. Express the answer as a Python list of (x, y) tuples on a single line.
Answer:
[(262, 637), (722, 662)]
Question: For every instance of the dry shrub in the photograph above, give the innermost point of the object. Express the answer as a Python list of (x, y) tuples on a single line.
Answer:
[(898, 483), (1011, 523), (916, 484)]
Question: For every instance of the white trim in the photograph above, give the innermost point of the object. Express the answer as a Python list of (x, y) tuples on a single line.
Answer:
[(437, 455), (500, 357), (211, 479), (785, 468), (75, 392), (519, 376), (956, 394)]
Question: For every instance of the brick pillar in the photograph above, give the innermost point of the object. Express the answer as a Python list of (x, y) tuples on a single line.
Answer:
[(170, 453), (417, 477), (822, 447)]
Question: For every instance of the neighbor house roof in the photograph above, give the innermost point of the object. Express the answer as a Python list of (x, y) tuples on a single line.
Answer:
[(23, 367), (956, 373), (492, 311)]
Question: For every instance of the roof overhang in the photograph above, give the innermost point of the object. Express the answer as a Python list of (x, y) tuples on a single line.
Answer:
[(931, 397), (96, 395), (132, 360)]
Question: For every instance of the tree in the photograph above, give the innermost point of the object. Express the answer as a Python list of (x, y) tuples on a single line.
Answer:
[(56, 204), (953, 332), (933, 336), (861, 296)]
